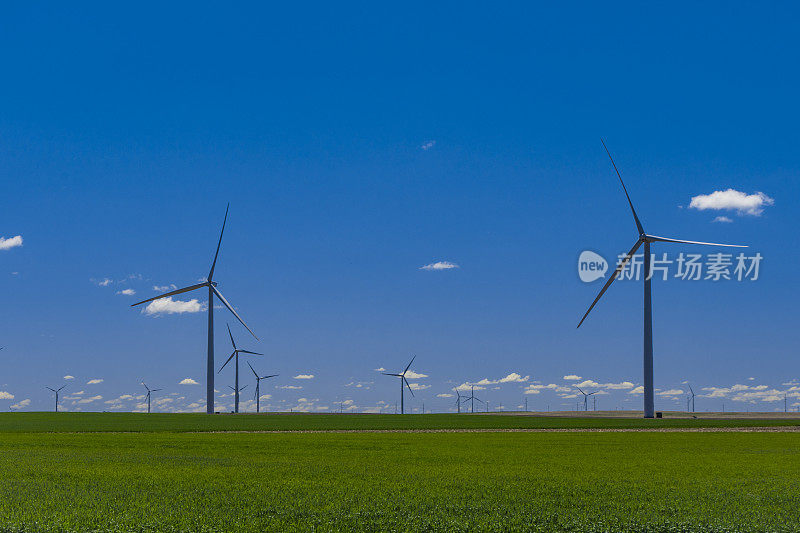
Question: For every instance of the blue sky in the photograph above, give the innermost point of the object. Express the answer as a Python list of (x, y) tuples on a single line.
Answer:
[(358, 144)]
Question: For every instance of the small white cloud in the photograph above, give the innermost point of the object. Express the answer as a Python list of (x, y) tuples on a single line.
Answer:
[(428, 145), (637, 390), (417, 386), (6, 395), (290, 387), (69, 377), (11, 242), (304, 376), (169, 306), (188, 381), (164, 288), (732, 200), (105, 282), (439, 265), (445, 395), (127, 292), (669, 392), (415, 375), (24, 403), (724, 220), (751, 379), (571, 377), (381, 369), (514, 378), (94, 381), (90, 400)]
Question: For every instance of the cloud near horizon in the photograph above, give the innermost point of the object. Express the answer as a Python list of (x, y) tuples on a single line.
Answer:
[(6, 395), (94, 381), (127, 292), (304, 376), (188, 381), (732, 200)]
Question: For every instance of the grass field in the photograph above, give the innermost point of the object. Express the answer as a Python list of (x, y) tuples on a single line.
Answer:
[(159, 480)]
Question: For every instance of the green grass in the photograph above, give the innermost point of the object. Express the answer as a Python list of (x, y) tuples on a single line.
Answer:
[(399, 481), (79, 422)]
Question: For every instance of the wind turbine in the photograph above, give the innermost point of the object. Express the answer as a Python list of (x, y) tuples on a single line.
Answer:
[(586, 398), (56, 391), (646, 239), (458, 400), (236, 391), (403, 380), (149, 390), (691, 397), (258, 386), (236, 352), (212, 290), (472, 399)]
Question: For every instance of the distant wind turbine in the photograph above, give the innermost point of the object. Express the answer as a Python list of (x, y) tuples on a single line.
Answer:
[(691, 398), (236, 352), (403, 380), (149, 391), (212, 290), (258, 386), (645, 239), (586, 398), (458, 401), (472, 399), (56, 391), (237, 390)]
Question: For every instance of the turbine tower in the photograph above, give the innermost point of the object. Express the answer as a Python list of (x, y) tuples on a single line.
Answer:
[(236, 352), (258, 386), (691, 397), (403, 380), (458, 400), (647, 240), (586, 398), (55, 391), (148, 395), (236, 391), (472, 399), (212, 290)]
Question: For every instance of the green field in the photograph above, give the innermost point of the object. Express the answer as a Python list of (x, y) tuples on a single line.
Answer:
[(154, 479)]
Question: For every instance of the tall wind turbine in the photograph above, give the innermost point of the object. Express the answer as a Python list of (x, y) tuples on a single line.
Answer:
[(458, 400), (149, 391), (258, 386), (236, 352), (403, 380), (237, 390), (472, 399), (691, 397), (586, 398), (56, 391), (645, 239), (212, 290)]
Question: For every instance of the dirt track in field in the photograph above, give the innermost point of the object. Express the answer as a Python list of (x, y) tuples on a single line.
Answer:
[(766, 429)]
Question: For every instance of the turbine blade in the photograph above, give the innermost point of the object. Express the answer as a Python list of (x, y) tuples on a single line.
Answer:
[(612, 278), (580, 390), (225, 302), (231, 388), (62, 388), (156, 390), (171, 293), (272, 376), (251, 368), (226, 362), (656, 238), (395, 375), (636, 218), (409, 386), (409, 364), (50, 389), (231, 335), (240, 390), (214, 264), (251, 353)]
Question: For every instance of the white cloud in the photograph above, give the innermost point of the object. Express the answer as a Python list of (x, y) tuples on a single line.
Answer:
[(94, 381), (669, 392), (91, 399), (428, 145), (733, 200), (467, 387), (69, 377), (165, 288), (11, 242), (514, 378), (571, 377), (304, 376), (637, 390), (415, 375), (171, 307), (24, 403), (445, 395), (724, 220), (417, 386), (381, 369), (439, 265), (6, 395), (290, 387), (105, 282), (188, 381), (612, 386), (127, 292)]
